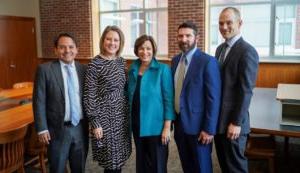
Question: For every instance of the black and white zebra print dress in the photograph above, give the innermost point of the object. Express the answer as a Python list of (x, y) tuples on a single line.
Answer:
[(106, 106)]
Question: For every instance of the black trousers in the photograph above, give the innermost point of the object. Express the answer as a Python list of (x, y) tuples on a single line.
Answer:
[(151, 154), (112, 171)]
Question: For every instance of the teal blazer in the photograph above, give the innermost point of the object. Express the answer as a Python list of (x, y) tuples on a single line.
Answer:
[(156, 96)]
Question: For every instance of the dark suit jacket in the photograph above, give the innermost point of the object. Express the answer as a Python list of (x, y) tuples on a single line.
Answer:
[(200, 95), (238, 72), (49, 97)]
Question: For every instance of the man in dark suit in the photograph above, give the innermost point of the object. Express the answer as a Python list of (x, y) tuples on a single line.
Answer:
[(197, 99), (239, 63), (57, 107)]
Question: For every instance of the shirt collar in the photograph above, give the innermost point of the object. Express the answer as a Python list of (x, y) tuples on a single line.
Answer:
[(232, 40), (137, 63), (189, 54), (62, 64)]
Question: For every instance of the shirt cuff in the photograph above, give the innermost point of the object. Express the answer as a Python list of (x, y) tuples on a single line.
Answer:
[(42, 132)]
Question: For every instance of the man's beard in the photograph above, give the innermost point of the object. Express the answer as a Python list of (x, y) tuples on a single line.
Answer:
[(184, 47)]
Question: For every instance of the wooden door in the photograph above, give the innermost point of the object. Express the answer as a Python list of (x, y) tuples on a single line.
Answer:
[(18, 53)]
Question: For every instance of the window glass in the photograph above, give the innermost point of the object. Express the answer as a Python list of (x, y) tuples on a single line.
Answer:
[(256, 26), (156, 3), (271, 26), (136, 19), (112, 5), (287, 35), (226, 2), (157, 26)]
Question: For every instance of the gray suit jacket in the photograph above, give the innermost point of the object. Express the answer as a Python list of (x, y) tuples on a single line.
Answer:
[(49, 97), (238, 73)]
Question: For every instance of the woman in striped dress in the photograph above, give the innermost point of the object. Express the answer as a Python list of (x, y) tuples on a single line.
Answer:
[(105, 103)]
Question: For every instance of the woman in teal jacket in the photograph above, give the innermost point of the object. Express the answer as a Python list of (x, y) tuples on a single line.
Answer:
[(150, 89)]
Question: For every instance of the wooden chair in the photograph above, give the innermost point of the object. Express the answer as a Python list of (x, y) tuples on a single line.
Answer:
[(22, 85), (35, 150), (12, 150), (7, 104), (262, 146)]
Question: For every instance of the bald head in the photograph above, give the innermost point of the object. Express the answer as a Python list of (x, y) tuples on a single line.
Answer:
[(236, 12)]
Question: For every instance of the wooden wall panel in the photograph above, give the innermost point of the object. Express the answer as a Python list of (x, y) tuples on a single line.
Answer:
[(270, 74)]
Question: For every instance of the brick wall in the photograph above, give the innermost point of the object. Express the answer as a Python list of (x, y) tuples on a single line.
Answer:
[(183, 10), (72, 16)]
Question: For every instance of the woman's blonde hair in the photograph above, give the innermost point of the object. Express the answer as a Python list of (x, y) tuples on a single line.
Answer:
[(121, 35)]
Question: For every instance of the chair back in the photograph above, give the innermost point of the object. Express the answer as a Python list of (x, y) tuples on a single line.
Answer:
[(32, 145), (12, 150), (34, 148), (22, 85), (262, 146)]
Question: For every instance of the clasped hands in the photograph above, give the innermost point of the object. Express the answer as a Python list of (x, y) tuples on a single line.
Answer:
[(205, 138)]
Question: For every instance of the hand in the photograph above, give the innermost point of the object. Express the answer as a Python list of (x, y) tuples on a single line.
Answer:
[(233, 131), (44, 138), (98, 133), (165, 136), (205, 138)]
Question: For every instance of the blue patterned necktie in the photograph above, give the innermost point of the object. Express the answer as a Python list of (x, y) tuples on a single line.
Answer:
[(74, 104)]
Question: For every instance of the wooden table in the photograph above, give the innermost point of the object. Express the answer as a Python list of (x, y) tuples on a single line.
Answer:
[(16, 93), (265, 114), (15, 117)]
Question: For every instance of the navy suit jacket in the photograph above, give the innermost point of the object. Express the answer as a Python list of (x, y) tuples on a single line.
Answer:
[(200, 94), (238, 72), (49, 98)]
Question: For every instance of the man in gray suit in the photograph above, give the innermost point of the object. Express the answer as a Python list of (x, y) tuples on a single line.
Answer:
[(57, 107), (239, 63)]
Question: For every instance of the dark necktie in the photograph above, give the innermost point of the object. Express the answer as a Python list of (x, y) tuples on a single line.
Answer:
[(223, 53)]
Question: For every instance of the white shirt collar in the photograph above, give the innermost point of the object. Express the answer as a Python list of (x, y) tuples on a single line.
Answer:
[(62, 64), (232, 40)]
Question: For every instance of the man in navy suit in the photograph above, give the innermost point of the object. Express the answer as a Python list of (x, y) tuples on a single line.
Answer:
[(239, 64), (57, 107), (197, 101)]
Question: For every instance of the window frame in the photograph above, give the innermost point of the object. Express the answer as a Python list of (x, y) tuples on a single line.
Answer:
[(273, 4), (143, 11)]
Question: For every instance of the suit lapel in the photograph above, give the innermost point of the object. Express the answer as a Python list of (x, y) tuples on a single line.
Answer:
[(58, 76), (232, 52), (133, 72), (80, 74), (192, 67), (175, 62)]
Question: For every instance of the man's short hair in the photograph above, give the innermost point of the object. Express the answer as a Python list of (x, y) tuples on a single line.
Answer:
[(189, 24), (236, 12), (64, 34)]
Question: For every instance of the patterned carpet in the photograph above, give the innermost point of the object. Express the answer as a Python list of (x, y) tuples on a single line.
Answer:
[(283, 165)]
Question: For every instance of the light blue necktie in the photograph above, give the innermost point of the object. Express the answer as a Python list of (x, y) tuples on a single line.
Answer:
[(74, 106)]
